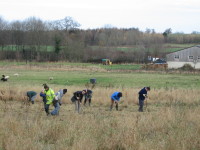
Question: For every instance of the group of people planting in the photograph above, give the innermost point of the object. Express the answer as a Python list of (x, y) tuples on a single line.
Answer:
[(49, 97), (115, 98)]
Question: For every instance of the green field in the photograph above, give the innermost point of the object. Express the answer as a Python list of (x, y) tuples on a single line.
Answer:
[(78, 74), (166, 48)]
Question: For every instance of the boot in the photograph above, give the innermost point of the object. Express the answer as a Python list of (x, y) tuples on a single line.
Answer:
[(140, 109)]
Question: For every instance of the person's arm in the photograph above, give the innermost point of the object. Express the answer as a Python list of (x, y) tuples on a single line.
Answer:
[(58, 95), (42, 94), (145, 95), (113, 97), (52, 93), (77, 95)]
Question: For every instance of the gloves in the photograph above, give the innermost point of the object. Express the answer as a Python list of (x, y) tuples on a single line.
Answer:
[(145, 95)]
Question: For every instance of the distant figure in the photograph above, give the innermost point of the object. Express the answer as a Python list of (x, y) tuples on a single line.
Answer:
[(115, 98), (31, 96), (16, 74), (50, 78), (88, 96), (4, 78), (77, 99), (142, 95), (60, 94)]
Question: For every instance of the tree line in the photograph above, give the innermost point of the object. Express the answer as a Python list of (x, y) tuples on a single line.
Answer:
[(63, 40)]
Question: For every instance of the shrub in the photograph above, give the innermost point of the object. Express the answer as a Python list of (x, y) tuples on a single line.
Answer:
[(187, 67)]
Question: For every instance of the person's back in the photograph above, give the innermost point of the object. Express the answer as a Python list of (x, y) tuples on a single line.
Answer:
[(78, 95), (115, 96), (31, 95), (142, 93), (60, 94)]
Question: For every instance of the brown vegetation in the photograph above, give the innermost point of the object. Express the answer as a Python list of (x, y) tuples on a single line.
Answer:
[(155, 66), (170, 121)]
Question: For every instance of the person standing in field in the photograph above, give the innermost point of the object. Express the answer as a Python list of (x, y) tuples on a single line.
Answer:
[(115, 98), (88, 96), (50, 99), (77, 99), (142, 96), (31, 96), (60, 94)]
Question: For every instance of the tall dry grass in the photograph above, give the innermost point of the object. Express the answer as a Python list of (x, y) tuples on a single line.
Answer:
[(170, 121)]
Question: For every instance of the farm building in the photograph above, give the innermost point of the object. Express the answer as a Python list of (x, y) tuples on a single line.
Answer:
[(186, 56)]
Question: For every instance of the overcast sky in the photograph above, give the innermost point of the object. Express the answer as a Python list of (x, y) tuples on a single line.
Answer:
[(179, 15)]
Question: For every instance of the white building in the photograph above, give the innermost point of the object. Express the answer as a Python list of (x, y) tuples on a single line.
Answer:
[(186, 56)]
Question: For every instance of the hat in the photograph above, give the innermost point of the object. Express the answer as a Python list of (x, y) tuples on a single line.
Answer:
[(45, 86), (148, 88)]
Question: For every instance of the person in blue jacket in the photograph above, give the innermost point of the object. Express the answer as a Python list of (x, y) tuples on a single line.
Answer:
[(43, 95), (115, 98), (142, 95)]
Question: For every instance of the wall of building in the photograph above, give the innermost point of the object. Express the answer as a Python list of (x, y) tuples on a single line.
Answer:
[(184, 55), (175, 65)]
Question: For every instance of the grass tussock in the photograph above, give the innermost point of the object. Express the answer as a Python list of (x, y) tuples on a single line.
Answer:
[(170, 121)]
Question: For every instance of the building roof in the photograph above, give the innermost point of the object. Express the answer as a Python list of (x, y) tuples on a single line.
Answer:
[(198, 46)]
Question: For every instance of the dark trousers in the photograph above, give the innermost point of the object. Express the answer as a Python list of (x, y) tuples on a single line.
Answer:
[(47, 108), (77, 106), (141, 104), (89, 100)]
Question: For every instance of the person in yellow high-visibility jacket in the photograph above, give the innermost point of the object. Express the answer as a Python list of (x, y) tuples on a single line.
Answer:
[(50, 99)]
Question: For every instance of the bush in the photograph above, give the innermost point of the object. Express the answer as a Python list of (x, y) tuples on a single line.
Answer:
[(187, 67)]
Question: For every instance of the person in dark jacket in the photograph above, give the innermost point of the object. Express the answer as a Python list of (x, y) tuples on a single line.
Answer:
[(88, 96), (142, 96), (77, 99), (31, 96), (115, 98)]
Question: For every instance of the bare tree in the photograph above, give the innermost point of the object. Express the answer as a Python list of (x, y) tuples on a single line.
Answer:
[(35, 29), (3, 33)]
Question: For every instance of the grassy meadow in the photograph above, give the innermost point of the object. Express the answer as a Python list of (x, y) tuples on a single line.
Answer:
[(170, 120), (169, 47)]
